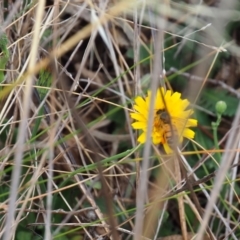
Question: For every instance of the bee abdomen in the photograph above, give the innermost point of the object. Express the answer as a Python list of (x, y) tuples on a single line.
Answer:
[(170, 135)]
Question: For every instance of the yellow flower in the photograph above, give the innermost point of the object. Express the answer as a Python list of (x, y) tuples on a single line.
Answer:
[(170, 118)]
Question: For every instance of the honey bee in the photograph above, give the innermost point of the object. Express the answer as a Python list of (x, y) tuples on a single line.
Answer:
[(170, 132)]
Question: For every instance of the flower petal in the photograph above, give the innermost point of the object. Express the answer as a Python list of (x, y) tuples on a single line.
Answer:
[(139, 125), (142, 138), (156, 138), (142, 111), (167, 96), (167, 148), (188, 133), (159, 103), (176, 97), (186, 114), (184, 104), (140, 102), (191, 122), (138, 116)]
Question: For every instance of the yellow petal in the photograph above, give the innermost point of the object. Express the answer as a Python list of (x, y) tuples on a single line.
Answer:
[(176, 97), (191, 122), (139, 125), (140, 102), (186, 114), (142, 111), (162, 90), (138, 116), (156, 139), (159, 103), (167, 96), (142, 138), (184, 104), (188, 133), (167, 148)]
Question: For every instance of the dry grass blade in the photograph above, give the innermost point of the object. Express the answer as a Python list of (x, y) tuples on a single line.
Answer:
[(10, 228)]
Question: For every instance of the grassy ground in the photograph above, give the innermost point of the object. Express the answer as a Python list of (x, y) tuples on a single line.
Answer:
[(70, 163)]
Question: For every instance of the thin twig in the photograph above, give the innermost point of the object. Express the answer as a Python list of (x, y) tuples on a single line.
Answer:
[(210, 80)]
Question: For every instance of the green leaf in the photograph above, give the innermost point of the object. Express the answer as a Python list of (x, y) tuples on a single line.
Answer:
[(144, 53), (204, 140), (210, 97), (118, 116), (5, 130), (45, 81), (24, 235), (4, 56), (95, 185)]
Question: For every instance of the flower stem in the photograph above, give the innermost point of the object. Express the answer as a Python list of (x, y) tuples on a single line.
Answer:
[(215, 136), (220, 107)]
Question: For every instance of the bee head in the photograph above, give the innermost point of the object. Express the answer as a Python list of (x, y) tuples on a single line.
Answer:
[(163, 115)]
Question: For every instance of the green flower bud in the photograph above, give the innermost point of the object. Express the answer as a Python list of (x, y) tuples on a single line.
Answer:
[(221, 107)]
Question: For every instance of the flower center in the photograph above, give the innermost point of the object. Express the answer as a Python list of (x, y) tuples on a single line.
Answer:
[(158, 129), (163, 130), (158, 123)]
